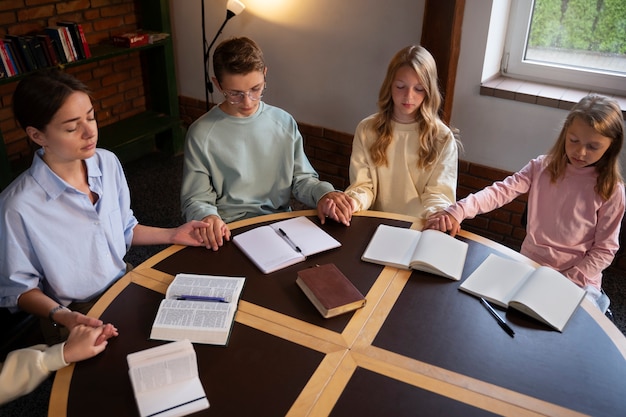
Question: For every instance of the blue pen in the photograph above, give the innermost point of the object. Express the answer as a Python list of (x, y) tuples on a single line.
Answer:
[(201, 298)]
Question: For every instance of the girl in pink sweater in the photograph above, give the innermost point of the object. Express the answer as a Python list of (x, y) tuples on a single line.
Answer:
[(575, 197)]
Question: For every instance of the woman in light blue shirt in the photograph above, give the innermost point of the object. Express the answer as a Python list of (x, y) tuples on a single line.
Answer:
[(66, 222)]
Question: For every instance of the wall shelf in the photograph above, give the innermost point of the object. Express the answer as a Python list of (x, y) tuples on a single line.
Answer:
[(160, 125)]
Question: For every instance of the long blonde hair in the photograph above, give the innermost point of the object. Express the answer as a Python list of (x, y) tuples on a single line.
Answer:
[(427, 117), (604, 115)]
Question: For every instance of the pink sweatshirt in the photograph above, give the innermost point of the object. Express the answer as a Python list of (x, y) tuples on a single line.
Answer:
[(570, 228)]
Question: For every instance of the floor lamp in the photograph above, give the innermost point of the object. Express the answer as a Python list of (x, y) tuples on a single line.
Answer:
[(233, 8)]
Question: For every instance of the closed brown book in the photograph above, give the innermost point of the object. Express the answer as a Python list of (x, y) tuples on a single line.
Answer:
[(330, 291)]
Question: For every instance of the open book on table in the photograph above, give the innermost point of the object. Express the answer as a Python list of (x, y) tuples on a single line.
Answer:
[(542, 293), (284, 243), (429, 251), (165, 380), (200, 308)]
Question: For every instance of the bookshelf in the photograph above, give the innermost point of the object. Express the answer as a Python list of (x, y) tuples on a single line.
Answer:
[(159, 126)]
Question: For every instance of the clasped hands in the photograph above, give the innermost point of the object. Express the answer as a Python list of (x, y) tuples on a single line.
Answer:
[(211, 231), (83, 329), (444, 222), (337, 206)]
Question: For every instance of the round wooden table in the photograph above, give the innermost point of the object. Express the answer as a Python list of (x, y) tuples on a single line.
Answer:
[(418, 347)]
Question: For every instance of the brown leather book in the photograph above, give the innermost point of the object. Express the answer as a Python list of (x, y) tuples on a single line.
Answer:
[(330, 291)]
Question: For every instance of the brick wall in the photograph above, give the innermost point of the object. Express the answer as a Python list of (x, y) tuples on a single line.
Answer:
[(329, 152), (117, 83)]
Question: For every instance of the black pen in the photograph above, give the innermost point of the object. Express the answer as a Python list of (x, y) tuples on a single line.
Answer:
[(291, 243), (499, 319), (185, 297)]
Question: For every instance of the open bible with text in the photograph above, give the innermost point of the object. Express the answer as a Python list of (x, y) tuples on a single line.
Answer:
[(284, 243), (542, 293), (200, 308), (429, 251), (165, 380)]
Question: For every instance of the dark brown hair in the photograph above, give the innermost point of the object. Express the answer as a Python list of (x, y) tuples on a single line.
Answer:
[(41, 94), (237, 56)]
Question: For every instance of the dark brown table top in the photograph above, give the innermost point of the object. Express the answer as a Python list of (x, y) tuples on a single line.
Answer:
[(419, 346)]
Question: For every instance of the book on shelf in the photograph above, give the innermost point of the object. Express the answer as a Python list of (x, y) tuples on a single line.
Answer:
[(165, 380), (83, 40), (37, 51), (7, 58), (77, 41), (67, 37), (330, 291), (539, 292), (3, 70), (51, 53), (131, 39), (62, 36), (200, 308), (284, 243), (23, 53), (429, 250), (58, 39), (58, 48), (4, 59)]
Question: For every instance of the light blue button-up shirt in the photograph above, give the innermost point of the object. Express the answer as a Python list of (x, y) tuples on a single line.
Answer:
[(53, 238)]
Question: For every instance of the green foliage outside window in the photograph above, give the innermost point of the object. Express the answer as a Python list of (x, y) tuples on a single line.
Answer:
[(588, 25)]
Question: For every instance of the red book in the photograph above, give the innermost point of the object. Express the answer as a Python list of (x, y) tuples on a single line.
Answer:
[(7, 59), (131, 40), (84, 41), (65, 31), (74, 32)]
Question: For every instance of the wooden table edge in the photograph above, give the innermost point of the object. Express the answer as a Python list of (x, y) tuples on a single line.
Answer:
[(149, 277)]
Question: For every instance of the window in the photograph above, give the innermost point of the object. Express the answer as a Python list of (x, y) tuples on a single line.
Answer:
[(572, 43)]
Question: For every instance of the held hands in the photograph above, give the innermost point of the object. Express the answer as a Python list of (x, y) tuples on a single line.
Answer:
[(444, 222), (71, 319), (337, 206), (85, 342), (210, 232)]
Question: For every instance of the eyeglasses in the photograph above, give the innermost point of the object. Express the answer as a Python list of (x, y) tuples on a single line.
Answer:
[(236, 97)]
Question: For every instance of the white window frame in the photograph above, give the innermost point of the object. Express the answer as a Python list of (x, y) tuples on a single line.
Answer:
[(515, 66)]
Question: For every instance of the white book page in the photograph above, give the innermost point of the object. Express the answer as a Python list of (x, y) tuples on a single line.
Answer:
[(392, 246), (267, 249), (548, 296), (173, 401), (162, 371), (441, 254), (165, 380), (206, 285), (190, 314), (306, 235), (198, 321), (158, 353), (497, 279)]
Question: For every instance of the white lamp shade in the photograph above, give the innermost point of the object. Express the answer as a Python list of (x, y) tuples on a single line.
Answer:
[(235, 6)]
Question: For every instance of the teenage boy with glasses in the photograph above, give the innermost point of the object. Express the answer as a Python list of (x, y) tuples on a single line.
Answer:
[(245, 158)]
